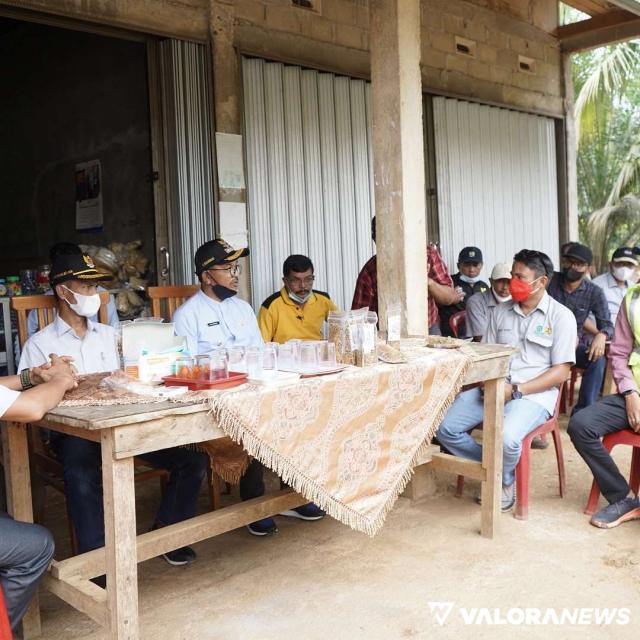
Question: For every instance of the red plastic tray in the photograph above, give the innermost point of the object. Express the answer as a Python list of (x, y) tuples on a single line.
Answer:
[(235, 379)]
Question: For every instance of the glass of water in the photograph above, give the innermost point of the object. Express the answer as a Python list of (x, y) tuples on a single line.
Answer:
[(236, 359), (253, 359), (270, 357), (308, 356)]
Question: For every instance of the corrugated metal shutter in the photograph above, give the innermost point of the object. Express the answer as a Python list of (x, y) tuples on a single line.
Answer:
[(497, 185), (187, 114), (309, 175)]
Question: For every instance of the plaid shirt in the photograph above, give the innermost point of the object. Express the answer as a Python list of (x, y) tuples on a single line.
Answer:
[(366, 293), (587, 298)]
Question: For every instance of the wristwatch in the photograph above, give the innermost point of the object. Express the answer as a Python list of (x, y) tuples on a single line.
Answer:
[(628, 392), (516, 394)]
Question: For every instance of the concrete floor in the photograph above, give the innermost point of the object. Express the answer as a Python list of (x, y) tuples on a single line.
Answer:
[(321, 580)]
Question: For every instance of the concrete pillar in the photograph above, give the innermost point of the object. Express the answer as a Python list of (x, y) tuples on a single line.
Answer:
[(398, 161), (571, 146)]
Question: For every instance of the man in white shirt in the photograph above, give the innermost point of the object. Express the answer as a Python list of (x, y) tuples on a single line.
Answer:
[(620, 276), (92, 346), (26, 549)]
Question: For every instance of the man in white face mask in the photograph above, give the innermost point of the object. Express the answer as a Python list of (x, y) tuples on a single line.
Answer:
[(620, 276), (480, 306)]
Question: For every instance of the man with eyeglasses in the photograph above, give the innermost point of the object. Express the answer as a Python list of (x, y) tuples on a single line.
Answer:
[(215, 317), (574, 290), (297, 311)]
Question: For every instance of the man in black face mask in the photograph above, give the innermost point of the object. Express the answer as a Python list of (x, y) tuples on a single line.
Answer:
[(573, 289), (215, 317)]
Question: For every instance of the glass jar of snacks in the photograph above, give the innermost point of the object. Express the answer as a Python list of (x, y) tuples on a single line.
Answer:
[(183, 367)]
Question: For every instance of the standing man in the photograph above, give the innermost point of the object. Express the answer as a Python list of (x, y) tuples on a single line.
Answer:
[(92, 346), (26, 549), (544, 333), (468, 280), (575, 291), (439, 285), (615, 282), (614, 413), (480, 306), (297, 310)]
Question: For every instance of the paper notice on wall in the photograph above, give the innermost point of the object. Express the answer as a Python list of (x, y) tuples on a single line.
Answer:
[(89, 196), (230, 164), (233, 223)]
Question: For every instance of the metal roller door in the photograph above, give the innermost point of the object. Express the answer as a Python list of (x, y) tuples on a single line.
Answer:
[(309, 175)]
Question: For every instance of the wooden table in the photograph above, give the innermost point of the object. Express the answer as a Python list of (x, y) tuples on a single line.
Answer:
[(129, 430)]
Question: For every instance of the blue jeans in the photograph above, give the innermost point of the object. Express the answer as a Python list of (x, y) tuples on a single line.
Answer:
[(520, 418), (591, 380), (81, 460), (25, 553)]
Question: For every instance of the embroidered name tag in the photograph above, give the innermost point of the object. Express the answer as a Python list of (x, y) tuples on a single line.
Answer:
[(215, 323)]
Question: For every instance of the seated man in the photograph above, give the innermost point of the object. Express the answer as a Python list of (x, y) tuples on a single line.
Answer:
[(215, 318), (297, 310), (575, 291), (468, 280), (614, 413), (544, 332), (480, 306), (439, 285), (68, 248), (26, 549), (615, 282), (93, 349)]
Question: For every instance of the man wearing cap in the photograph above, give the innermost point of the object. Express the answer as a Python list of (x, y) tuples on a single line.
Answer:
[(615, 282), (92, 347), (480, 305), (573, 289), (297, 311), (216, 318), (468, 280)]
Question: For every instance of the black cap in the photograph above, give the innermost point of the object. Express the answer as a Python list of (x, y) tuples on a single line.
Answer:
[(579, 252), (470, 254), (217, 252), (625, 254), (77, 266)]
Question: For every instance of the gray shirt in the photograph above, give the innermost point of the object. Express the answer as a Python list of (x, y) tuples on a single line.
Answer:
[(613, 292), (479, 308), (545, 338)]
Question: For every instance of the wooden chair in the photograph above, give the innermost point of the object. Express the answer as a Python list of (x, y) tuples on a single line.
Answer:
[(46, 467), (165, 300)]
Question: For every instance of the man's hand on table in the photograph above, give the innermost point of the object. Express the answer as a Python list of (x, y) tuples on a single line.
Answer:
[(632, 401), (597, 347), (59, 368)]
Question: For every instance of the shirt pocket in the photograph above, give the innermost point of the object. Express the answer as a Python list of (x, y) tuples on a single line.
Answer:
[(507, 336), (544, 341)]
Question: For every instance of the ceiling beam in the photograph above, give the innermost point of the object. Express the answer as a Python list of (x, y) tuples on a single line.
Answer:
[(598, 31), (590, 7), (629, 5)]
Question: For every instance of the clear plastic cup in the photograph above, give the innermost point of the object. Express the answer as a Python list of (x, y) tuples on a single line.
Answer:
[(236, 359), (308, 356), (270, 357), (219, 369), (286, 357), (327, 355), (253, 357)]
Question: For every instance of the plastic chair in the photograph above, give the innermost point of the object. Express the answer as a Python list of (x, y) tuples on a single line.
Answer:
[(456, 322), (523, 468), (5, 627), (628, 437), (576, 372)]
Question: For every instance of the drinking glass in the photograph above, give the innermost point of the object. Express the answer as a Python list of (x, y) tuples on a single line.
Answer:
[(183, 367), (327, 354), (308, 356), (270, 357), (202, 368), (286, 357), (236, 359), (219, 368), (253, 359)]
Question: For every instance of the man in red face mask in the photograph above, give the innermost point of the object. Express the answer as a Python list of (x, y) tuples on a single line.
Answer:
[(545, 334)]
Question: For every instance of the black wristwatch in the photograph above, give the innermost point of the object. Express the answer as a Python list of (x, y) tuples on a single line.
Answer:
[(628, 392), (516, 394)]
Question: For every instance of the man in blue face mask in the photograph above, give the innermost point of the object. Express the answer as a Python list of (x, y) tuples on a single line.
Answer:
[(468, 280)]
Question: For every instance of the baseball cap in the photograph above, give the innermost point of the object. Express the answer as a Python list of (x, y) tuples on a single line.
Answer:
[(77, 266), (579, 252), (625, 254), (217, 252), (501, 271), (470, 254)]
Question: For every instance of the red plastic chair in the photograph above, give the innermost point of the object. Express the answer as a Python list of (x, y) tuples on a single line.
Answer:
[(575, 373), (523, 468), (456, 321), (5, 627), (628, 437)]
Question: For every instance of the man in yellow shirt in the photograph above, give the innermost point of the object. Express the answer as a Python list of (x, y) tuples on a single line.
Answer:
[(297, 311)]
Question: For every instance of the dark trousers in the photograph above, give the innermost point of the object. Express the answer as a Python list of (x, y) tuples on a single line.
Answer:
[(25, 552), (591, 380), (81, 460), (252, 482), (586, 428)]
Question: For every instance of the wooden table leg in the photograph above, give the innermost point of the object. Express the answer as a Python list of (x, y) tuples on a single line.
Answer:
[(492, 456), (120, 542), (15, 445)]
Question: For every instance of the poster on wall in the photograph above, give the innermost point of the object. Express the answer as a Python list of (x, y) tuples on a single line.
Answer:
[(89, 196)]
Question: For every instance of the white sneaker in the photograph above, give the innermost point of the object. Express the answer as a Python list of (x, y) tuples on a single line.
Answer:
[(508, 497)]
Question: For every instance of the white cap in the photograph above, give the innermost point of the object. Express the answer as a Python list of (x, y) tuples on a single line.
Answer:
[(501, 271)]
